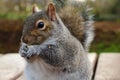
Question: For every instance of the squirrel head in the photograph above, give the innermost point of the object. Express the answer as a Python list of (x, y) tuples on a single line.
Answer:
[(38, 27)]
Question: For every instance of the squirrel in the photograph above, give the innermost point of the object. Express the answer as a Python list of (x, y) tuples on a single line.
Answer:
[(55, 45)]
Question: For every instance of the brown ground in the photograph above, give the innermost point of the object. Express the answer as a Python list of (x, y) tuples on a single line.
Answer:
[(10, 32), (106, 31), (106, 26)]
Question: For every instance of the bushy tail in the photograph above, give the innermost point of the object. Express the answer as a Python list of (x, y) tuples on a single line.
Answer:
[(88, 28), (77, 17)]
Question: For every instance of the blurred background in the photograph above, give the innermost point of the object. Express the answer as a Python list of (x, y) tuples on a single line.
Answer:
[(106, 16)]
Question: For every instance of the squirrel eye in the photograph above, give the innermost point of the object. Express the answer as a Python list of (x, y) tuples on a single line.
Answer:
[(40, 24)]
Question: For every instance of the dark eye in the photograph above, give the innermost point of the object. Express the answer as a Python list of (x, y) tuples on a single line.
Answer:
[(40, 24)]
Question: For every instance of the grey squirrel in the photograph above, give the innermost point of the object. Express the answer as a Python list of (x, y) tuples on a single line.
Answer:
[(55, 49)]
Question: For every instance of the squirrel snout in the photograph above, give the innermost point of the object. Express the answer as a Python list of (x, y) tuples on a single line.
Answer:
[(29, 39)]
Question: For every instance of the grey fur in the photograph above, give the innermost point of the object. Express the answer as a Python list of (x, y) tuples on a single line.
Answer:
[(60, 57)]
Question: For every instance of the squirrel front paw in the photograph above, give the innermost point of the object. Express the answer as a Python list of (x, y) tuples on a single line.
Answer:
[(23, 50), (27, 51)]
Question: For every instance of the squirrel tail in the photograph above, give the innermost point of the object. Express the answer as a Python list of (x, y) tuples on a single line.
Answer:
[(88, 28), (75, 13)]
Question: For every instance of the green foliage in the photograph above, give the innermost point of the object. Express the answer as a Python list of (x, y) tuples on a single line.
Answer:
[(102, 47), (107, 10), (107, 45), (116, 8), (107, 17), (103, 9), (12, 15)]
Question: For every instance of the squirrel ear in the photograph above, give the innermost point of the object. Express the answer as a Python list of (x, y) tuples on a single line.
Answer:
[(35, 9), (51, 12)]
